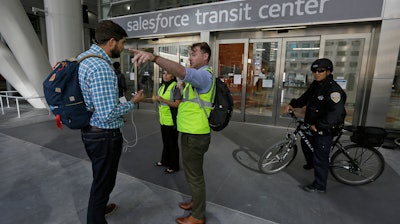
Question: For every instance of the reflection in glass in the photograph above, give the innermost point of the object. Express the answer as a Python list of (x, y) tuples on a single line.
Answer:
[(393, 115), (230, 70), (260, 78), (145, 78), (297, 75), (346, 56)]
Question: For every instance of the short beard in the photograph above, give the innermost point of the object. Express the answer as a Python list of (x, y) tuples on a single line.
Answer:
[(115, 53)]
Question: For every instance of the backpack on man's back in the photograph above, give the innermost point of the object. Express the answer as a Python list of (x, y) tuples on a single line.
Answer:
[(64, 95), (222, 106), (222, 109)]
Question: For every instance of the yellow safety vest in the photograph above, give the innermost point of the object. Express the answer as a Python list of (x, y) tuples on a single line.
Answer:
[(191, 117), (164, 110)]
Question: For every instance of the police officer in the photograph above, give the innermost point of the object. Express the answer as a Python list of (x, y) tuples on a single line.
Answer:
[(324, 101)]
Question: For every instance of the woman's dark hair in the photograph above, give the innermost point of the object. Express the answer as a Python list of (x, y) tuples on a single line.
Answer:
[(106, 30), (116, 65), (173, 77), (204, 48)]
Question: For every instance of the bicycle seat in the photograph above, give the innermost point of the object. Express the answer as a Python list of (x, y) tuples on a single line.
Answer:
[(350, 128)]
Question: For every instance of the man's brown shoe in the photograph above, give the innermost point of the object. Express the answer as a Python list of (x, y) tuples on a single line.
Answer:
[(186, 206), (110, 209), (190, 220)]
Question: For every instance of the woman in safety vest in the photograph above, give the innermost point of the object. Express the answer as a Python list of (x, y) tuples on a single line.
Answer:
[(169, 97)]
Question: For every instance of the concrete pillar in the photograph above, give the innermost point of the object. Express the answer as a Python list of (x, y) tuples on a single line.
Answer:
[(386, 60), (64, 24), (25, 46), (11, 70)]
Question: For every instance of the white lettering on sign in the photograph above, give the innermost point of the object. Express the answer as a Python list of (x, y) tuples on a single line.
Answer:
[(299, 8), (223, 16), (226, 15), (160, 21)]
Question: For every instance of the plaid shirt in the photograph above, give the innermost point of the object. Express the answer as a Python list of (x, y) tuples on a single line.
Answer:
[(99, 85)]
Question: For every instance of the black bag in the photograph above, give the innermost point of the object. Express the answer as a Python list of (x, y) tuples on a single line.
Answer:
[(369, 136), (64, 95), (222, 108)]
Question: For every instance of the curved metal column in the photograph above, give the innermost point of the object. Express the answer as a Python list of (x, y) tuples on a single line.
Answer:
[(11, 69), (25, 46), (64, 24)]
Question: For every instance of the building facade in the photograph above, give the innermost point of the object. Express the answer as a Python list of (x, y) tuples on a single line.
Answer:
[(263, 50)]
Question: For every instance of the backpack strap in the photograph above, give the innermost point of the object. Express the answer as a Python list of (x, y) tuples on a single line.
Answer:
[(89, 56)]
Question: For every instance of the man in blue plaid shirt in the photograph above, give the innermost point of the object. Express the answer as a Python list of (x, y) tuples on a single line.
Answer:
[(102, 138)]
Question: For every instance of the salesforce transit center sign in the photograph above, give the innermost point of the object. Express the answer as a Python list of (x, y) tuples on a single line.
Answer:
[(242, 14)]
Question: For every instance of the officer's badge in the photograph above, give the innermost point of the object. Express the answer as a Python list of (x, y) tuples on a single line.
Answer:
[(335, 97)]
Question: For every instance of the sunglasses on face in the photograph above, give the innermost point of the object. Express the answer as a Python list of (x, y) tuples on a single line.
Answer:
[(319, 70)]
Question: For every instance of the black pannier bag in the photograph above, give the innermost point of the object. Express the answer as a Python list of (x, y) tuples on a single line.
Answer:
[(369, 136)]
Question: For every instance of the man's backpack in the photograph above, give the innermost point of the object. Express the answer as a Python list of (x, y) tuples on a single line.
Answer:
[(222, 106), (64, 95)]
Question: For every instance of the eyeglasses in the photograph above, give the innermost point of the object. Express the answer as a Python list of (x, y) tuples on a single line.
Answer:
[(319, 70)]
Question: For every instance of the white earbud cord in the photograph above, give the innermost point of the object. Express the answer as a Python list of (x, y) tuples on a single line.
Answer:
[(129, 143)]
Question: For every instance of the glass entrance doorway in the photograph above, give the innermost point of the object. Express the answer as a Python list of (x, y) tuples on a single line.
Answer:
[(265, 74)]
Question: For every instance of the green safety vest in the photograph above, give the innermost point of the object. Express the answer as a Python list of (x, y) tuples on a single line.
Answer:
[(191, 117), (164, 110)]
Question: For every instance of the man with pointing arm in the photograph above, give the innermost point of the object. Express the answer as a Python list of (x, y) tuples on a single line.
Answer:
[(192, 121)]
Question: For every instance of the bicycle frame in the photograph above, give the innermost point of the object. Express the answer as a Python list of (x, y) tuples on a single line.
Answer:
[(300, 131)]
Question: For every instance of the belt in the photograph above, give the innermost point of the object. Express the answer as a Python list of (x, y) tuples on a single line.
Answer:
[(96, 129)]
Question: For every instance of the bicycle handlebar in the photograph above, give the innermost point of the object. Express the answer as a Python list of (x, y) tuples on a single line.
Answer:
[(292, 115)]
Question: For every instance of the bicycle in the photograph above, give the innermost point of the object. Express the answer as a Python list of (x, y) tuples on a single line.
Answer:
[(355, 164)]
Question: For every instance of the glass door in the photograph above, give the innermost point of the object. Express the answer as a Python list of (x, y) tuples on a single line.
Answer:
[(277, 70), (145, 81), (349, 56), (262, 78), (393, 115), (295, 77), (231, 70)]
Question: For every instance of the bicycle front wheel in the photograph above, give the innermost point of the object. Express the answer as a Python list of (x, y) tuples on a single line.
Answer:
[(277, 157), (357, 165)]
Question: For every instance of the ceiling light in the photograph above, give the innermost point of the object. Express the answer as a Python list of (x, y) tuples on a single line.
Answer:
[(151, 37), (284, 28)]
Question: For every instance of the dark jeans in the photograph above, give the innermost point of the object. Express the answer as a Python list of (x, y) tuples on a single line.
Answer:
[(322, 147), (104, 150), (170, 153), (308, 154), (193, 149)]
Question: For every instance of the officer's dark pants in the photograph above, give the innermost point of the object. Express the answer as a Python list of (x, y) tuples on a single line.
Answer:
[(170, 153), (322, 146), (308, 154), (104, 150), (193, 149)]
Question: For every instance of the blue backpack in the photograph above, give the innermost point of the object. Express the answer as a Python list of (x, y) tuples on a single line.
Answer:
[(64, 95)]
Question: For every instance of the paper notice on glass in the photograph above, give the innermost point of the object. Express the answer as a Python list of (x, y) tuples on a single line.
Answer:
[(132, 76), (267, 83), (342, 83), (237, 79)]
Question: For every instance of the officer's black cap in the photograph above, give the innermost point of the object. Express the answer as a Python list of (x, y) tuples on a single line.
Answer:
[(322, 63)]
